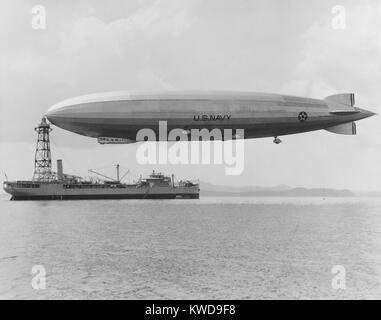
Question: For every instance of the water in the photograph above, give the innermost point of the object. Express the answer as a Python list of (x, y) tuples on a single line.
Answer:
[(212, 248)]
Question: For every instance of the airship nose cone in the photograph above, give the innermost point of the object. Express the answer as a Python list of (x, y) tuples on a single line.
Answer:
[(53, 112), (50, 116), (63, 116), (63, 113), (77, 116)]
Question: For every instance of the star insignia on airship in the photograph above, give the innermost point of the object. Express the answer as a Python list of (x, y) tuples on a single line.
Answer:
[(302, 116)]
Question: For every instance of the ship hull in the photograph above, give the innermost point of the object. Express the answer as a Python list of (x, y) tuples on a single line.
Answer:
[(59, 191), (105, 196)]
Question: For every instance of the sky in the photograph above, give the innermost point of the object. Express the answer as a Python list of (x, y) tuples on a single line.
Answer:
[(283, 46)]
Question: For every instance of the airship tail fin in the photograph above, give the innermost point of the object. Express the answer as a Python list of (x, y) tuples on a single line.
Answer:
[(345, 128), (341, 103), (343, 98)]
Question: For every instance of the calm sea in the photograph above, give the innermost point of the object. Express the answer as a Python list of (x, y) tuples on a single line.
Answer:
[(212, 248)]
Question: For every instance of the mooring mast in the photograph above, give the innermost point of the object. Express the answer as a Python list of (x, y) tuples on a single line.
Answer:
[(43, 160)]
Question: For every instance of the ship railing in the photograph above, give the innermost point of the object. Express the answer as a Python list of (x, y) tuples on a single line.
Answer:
[(97, 186), (21, 184)]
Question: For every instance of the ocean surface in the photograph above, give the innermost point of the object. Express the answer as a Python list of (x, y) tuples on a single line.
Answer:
[(211, 248)]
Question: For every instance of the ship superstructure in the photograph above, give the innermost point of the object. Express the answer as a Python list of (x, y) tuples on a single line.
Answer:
[(49, 185)]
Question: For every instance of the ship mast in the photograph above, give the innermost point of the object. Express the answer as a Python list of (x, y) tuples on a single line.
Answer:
[(117, 172), (43, 160)]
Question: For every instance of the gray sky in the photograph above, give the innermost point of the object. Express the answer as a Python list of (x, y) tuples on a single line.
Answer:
[(267, 46)]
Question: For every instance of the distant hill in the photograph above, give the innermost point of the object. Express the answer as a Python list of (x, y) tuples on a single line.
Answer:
[(211, 190), (369, 194)]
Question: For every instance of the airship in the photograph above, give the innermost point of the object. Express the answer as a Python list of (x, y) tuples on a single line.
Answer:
[(117, 117)]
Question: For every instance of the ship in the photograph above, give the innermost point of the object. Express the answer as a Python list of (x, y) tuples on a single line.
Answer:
[(49, 185)]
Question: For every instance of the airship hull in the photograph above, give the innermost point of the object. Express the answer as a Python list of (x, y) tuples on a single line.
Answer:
[(122, 115)]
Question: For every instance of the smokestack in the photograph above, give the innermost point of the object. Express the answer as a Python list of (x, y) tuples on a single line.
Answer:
[(59, 170)]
